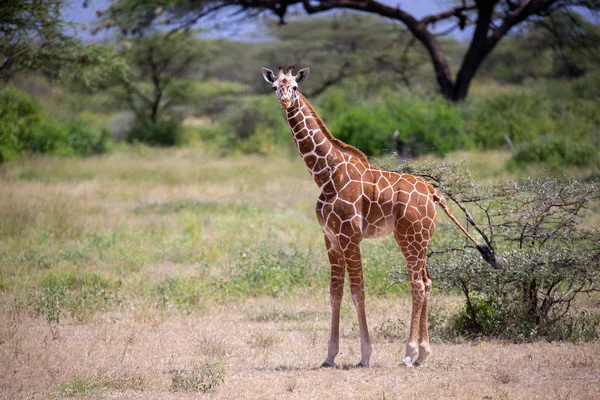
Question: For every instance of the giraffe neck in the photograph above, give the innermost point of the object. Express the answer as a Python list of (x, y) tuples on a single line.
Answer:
[(316, 147)]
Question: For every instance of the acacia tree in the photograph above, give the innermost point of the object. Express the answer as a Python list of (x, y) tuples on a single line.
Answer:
[(159, 63), (34, 36), (492, 20)]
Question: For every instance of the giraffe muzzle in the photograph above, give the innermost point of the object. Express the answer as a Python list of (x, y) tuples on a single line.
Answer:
[(285, 103)]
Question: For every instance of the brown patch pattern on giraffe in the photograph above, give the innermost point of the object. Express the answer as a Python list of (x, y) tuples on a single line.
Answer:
[(359, 201)]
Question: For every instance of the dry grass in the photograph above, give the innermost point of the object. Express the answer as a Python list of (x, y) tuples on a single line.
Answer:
[(121, 355), (160, 251)]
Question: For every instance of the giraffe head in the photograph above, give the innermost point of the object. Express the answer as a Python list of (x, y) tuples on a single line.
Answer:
[(284, 84)]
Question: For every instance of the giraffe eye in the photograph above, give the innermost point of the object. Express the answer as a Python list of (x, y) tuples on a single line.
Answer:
[(295, 87), (274, 89)]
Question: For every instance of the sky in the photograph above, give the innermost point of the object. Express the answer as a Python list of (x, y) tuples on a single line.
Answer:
[(245, 30)]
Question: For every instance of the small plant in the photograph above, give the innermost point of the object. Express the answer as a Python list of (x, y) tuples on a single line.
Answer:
[(392, 330), (77, 387), (263, 341), (82, 294), (84, 387), (204, 377)]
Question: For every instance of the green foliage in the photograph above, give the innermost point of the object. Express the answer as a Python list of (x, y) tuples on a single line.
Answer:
[(25, 128), (19, 115), (33, 36), (557, 152), (156, 83), (520, 114), (82, 294), (203, 377), (424, 124), (588, 87), (163, 133), (213, 97), (87, 387), (369, 128), (253, 124), (549, 122)]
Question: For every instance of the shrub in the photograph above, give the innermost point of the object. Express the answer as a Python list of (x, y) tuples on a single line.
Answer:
[(369, 127), (547, 257), (588, 87), (24, 128), (424, 125), (255, 124), (520, 114), (86, 140), (19, 114), (548, 121), (82, 294), (556, 151), (162, 133)]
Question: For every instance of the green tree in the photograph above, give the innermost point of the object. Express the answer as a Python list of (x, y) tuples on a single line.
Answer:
[(32, 36), (347, 46), (159, 68), (159, 65), (492, 20)]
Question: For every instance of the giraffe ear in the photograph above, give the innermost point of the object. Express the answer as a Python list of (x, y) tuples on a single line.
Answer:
[(268, 75), (302, 75)]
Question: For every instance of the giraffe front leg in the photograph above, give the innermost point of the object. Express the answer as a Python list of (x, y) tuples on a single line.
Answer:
[(336, 292), (353, 260)]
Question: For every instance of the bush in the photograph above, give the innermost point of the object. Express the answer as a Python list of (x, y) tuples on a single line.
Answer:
[(369, 128), (424, 125), (556, 152), (256, 124), (19, 114), (521, 115), (162, 133), (86, 140), (549, 121), (24, 128), (547, 257), (82, 294)]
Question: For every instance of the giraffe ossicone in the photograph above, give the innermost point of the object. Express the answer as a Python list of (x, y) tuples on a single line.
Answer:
[(359, 201)]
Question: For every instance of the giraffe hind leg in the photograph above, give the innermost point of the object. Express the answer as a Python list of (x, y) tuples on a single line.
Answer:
[(415, 253), (424, 348)]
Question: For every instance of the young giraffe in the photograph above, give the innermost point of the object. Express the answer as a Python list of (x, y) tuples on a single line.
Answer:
[(359, 201)]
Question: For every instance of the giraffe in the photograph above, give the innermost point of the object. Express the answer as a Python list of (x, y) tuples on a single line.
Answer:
[(359, 201)]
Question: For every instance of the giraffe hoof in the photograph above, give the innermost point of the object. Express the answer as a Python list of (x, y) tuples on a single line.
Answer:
[(362, 364), (329, 365), (407, 361)]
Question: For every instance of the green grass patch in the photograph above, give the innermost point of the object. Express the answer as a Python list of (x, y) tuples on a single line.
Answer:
[(94, 387), (204, 377), (80, 294)]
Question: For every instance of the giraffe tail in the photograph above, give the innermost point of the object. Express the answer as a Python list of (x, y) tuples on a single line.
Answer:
[(487, 253)]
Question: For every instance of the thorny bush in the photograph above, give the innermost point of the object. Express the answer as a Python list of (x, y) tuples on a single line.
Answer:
[(548, 254)]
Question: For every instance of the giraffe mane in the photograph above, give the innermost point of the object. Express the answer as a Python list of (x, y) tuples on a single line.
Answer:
[(341, 146)]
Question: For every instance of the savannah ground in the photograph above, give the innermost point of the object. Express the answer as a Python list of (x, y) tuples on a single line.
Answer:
[(174, 274)]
